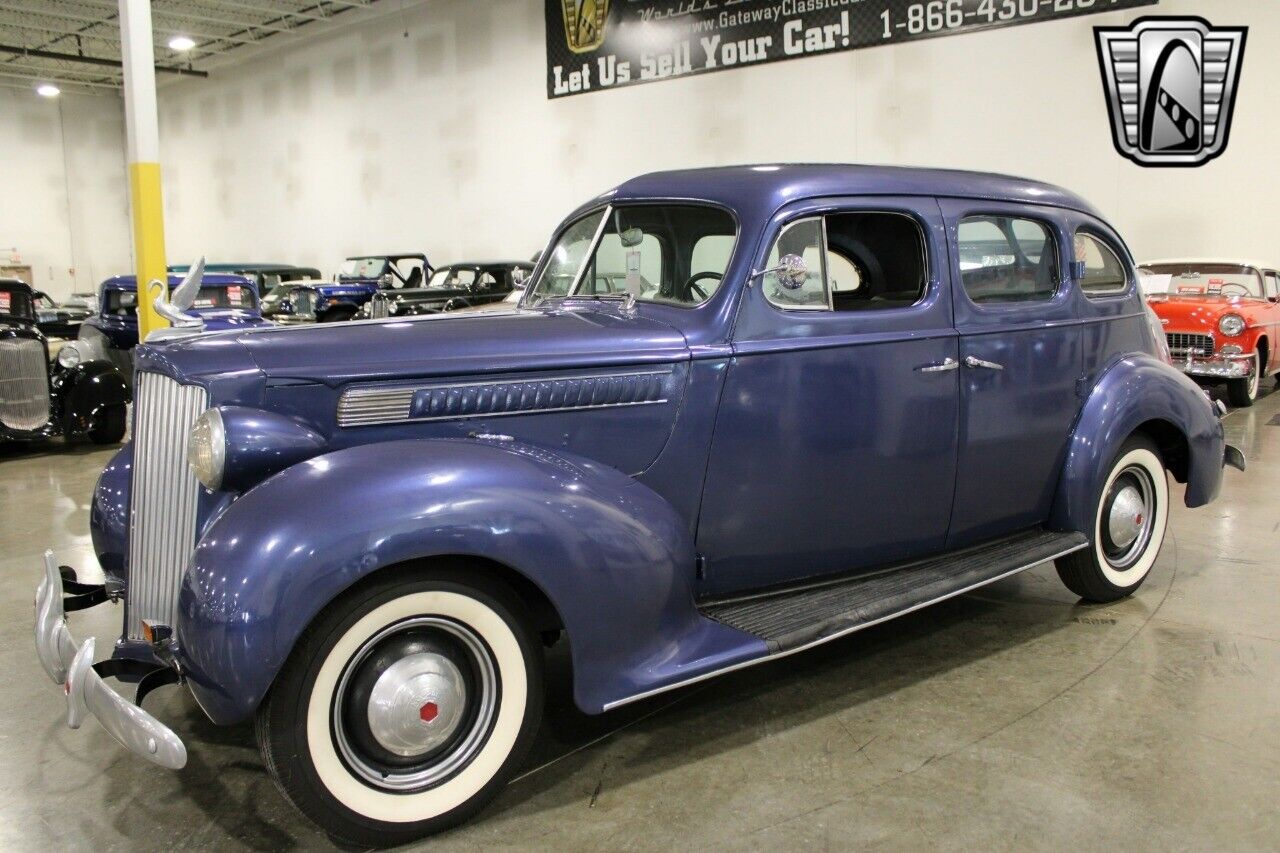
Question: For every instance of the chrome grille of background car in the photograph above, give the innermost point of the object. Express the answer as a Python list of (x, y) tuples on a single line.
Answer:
[(24, 384), (1181, 343), (303, 306), (380, 307), (162, 509)]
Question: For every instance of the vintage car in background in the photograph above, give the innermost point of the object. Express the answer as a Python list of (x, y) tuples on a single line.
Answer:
[(469, 284), (223, 302), (360, 279), (58, 321), (266, 276), (75, 396), (1222, 320), (812, 419)]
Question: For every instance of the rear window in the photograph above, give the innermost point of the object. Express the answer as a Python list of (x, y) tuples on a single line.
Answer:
[(1104, 274)]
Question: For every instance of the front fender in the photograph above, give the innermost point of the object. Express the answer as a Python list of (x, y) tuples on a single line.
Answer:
[(613, 558), (86, 389), (1135, 390)]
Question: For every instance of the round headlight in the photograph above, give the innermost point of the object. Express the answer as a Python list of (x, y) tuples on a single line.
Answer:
[(69, 356), (207, 449), (1231, 325)]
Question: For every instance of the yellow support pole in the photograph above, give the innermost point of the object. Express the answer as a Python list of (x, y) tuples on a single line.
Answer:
[(143, 131)]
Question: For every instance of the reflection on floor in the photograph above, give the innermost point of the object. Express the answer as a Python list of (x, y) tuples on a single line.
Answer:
[(1014, 717)]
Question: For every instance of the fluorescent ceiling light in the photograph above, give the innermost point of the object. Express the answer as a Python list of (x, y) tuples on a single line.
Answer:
[(48, 90), (181, 43)]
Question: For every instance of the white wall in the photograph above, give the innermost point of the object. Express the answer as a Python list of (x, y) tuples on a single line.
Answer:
[(64, 211), (368, 140)]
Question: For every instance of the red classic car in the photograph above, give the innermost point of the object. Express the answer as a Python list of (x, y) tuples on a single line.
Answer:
[(1222, 320)]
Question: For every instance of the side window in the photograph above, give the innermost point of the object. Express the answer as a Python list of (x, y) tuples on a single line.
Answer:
[(803, 238), (1104, 274), (1272, 285), (1007, 259), (874, 260)]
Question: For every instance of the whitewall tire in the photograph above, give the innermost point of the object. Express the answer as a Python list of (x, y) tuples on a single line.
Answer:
[(405, 708), (1243, 392), (1130, 516)]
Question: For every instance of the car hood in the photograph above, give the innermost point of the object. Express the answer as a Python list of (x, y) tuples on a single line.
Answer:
[(436, 345), (1196, 313)]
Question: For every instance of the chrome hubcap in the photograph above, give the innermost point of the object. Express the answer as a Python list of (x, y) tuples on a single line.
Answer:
[(415, 704), (1129, 517)]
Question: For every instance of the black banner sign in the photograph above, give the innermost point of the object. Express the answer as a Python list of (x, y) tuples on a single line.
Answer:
[(603, 44)]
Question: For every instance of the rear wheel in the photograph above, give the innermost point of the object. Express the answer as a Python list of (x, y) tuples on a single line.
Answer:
[(109, 426), (1130, 516), (405, 708), (1242, 392)]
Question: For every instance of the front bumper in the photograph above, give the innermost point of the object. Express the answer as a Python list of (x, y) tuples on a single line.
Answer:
[(86, 689), (1218, 366)]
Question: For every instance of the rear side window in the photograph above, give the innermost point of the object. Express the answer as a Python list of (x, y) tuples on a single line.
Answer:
[(1104, 274), (1007, 259), (1272, 285)]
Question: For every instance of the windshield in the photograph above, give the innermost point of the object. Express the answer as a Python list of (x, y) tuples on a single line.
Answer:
[(673, 254), (452, 277), (363, 267), (15, 303), (1189, 279)]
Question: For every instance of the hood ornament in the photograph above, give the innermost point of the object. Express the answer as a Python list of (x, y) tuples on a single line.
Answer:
[(180, 300)]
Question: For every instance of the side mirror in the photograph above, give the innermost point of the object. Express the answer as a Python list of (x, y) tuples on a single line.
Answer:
[(792, 272), (386, 281)]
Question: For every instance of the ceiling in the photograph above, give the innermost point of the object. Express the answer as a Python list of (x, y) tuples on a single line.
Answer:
[(76, 43)]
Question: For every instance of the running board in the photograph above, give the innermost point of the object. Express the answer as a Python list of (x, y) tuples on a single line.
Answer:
[(796, 618)]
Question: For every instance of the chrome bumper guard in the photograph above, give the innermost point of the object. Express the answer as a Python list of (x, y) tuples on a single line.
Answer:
[(85, 686), (1218, 366)]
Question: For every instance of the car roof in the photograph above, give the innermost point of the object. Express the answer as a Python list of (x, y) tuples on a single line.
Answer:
[(1231, 261), (130, 282), (772, 185), (16, 282), (387, 255)]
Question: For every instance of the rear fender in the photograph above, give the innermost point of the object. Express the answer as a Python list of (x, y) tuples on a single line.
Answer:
[(612, 557), (1135, 390)]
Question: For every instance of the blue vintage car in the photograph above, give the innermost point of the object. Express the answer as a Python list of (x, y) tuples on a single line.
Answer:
[(740, 412), (361, 279), (223, 302)]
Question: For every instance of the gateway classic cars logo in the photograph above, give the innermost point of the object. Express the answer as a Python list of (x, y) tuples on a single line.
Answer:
[(1171, 88), (584, 22)]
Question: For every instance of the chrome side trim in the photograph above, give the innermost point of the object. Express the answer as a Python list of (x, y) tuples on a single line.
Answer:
[(162, 511), (837, 635), (24, 384), (371, 406)]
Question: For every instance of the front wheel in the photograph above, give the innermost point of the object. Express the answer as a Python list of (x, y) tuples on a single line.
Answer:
[(1130, 517), (405, 708), (1242, 392)]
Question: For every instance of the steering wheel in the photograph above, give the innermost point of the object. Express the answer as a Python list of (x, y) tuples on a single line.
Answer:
[(692, 286), (1244, 290)]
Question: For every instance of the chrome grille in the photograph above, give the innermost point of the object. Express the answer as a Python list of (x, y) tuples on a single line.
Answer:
[(1182, 343), (24, 384), (380, 307), (303, 304), (370, 406), (162, 510)]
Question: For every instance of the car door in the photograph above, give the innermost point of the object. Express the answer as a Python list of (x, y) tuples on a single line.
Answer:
[(835, 443), (1021, 357)]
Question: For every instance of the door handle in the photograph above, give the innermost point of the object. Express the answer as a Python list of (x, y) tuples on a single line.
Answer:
[(974, 361), (946, 365)]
